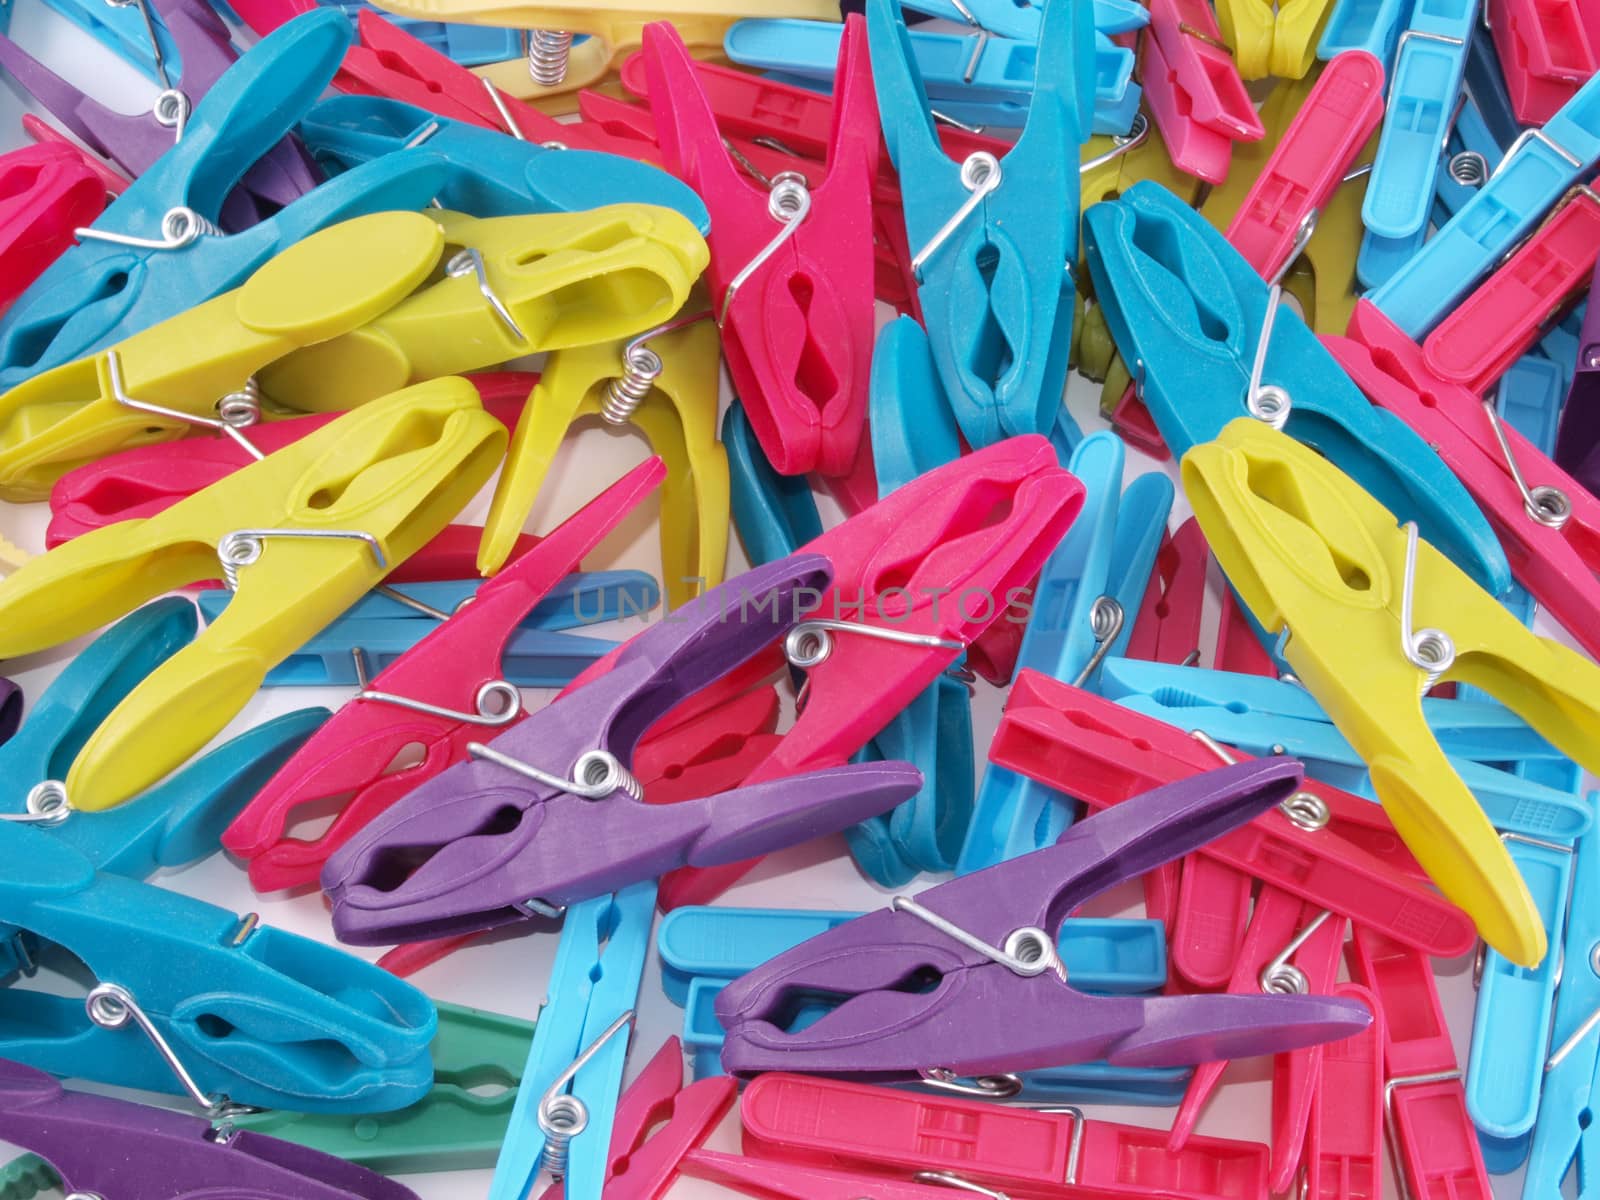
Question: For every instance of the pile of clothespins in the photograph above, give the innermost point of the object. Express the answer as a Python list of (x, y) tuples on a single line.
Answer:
[(294, 357)]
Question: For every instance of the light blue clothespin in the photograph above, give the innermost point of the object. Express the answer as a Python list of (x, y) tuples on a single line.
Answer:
[(1560, 344), (1537, 169), (1381, 258), (380, 628), (469, 45), (123, 29), (1429, 60), (1473, 153), (575, 1066), (1511, 1026), (703, 949), (492, 174), (1566, 1133), (1083, 609), (1370, 25)]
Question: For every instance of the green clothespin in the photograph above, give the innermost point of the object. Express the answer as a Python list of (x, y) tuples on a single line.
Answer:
[(25, 1177), (457, 1126)]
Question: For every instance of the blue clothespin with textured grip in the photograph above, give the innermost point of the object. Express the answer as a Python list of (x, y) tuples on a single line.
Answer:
[(1193, 316), (492, 174), (1083, 608), (774, 514), (575, 1066), (122, 28), (153, 254), (255, 1015), (381, 627), (994, 241), (1536, 171)]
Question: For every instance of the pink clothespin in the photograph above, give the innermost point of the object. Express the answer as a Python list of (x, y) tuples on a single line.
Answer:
[(1344, 1146), (659, 1122), (793, 1181), (1424, 1097), (46, 192), (1195, 93), (1547, 50), (388, 61), (43, 133), (791, 267), (1168, 626), (1238, 648)]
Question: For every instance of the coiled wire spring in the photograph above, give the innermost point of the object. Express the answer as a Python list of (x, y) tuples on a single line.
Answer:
[(549, 51)]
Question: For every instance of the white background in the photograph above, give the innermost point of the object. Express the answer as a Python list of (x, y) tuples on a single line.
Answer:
[(510, 974)]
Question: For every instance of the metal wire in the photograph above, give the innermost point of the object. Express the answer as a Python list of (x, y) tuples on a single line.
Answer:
[(1028, 951), (641, 367), (1267, 403), (1431, 650), (470, 262), (181, 227), (1309, 812), (980, 175), (497, 703), (810, 642), (236, 411), (549, 51), (243, 547), (1549, 506), (1280, 977), (46, 805), (596, 775), (1106, 619), (563, 1116), (789, 202), (983, 1087)]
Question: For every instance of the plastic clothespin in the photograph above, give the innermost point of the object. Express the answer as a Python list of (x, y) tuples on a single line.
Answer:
[(1167, 628), (48, 192), (1537, 170), (323, 520), (147, 480), (1579, 434), (1193, 88), (521, 285), (799, 345), (885, 1133), (1213, 343), (995, 238), (659, 1122), (253, 1015), (764, 1177), (1344, 1145), (457, 1126), (493, 174), (135, 141), (955, 546), (1547, 520), (465, 45), (774, 514), (126, 30), (41, 134), (442, 695), (1369, 25), (1012, 1008), (1546, 52), (1347, 592), (662, 381), (98, 1145), (1268, 41), (1102, 753), (567, 847), (1080, 614), (1434, 1145)]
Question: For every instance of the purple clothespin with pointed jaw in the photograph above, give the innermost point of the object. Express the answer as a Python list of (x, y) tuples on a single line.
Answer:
[(1578, 439), (124, 1151), (548, 814), (964, 981), (132, 141)]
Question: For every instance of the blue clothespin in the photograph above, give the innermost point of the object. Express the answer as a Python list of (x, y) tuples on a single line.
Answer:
[(1370, 25), (101, 291), (380, 628), (1560, 344), (1380, 258), (1083, 608), (123, 29), (1538, 167), (492, 174), (1192, 315), (468, 45), (1473, 152), (1487, 85), (993, 255), (255, 1015), (1429, 61), (574, 1071), (774, 514), (703, 949), (1566, 1132)]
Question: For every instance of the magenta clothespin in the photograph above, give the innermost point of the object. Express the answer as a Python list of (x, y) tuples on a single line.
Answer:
[(1194, 90)]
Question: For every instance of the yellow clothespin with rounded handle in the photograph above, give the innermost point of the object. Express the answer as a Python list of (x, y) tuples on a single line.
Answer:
[(334, 281), (1273, 38), (664, 382), (1372, 617), (510, 286), (300, 536)]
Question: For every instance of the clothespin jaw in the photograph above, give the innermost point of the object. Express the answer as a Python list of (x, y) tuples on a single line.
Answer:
[(1310, 553), (774, 514), (1184, 304), (663, 382), (1194, 92), (1278, 42), (443, 694), (1016, 1012), (994, 239), (485, 870), (796, 315), (99, 1145), (326, 518), (514, 286), (49, 191), (1546, 53)]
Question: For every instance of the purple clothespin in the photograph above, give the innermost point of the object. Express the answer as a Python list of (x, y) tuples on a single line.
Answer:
[(10, 708), (134, 141), (124, 1151), (1578, 439), (965, 982), (548, 814)]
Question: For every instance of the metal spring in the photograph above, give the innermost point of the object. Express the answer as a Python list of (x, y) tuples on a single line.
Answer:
[(641, 367), (47, 805), (563, 1119), (595, 776), (1468, 168), (181, 227), (548, 53)]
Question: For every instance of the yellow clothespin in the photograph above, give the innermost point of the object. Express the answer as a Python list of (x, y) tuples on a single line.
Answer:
[(664, 382), (12, 556), (300, 535), (1373, 617), (334, 281), (511, 286), (1273, 39), (555, 67)]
